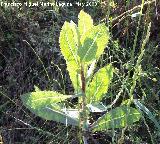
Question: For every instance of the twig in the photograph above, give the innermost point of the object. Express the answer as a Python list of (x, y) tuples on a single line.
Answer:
[(129, 11)]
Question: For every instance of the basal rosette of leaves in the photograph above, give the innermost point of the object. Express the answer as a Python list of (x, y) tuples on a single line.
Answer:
[(82, 45)]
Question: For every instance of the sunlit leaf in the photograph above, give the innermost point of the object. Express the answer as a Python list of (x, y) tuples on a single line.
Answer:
[(99, 85), (93, 39), (45, 104), (69, 41), (117, 118), (85, 23), (42, 98), (98, 37)]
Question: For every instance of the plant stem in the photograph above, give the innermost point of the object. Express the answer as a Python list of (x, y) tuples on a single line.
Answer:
[(84, 111), (83, 79)]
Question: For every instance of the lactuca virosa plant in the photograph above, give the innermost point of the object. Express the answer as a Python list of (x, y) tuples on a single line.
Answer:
[(81, 47)]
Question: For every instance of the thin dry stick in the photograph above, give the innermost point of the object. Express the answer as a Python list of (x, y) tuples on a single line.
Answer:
[(129, 11)]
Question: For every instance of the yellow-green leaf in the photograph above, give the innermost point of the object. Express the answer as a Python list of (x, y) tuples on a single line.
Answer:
[(99, 35), (85, 23), (45, 104), (93, 39), (42, 98), (99, 84), (69, 41)]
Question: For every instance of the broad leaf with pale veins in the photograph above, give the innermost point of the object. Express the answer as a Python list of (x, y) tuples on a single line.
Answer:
[(93, 43), (117, 118), (69, 42), (45, 104)]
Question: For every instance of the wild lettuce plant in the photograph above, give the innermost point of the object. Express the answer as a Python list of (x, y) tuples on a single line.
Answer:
[(82, 46)]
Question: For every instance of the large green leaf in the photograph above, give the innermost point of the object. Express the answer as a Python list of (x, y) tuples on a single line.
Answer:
[(85, 23), (93, 43), (93, 39), (45, 104), (117, 118), (42, 98), (69, 43), (87, 51), (99, 84)]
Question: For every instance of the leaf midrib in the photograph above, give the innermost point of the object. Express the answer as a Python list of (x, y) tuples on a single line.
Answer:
[(92, 44)]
